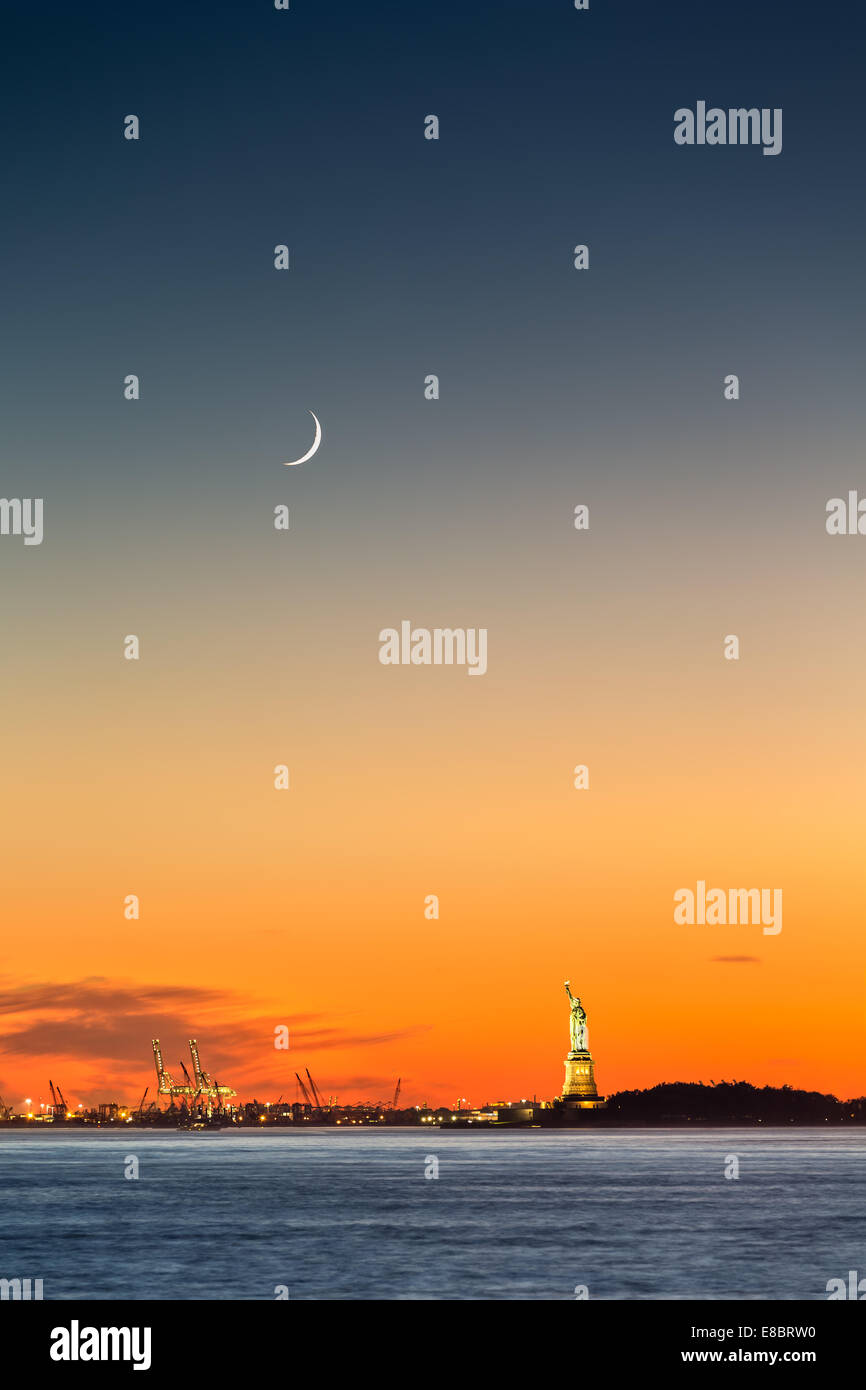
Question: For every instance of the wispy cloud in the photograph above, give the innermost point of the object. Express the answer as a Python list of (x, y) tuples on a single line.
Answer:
[(109, 1024)]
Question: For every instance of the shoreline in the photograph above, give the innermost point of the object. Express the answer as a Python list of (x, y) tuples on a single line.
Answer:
[(75, 1130)]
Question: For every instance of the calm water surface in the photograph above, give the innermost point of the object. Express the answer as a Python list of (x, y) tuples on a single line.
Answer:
[(349, 1215)]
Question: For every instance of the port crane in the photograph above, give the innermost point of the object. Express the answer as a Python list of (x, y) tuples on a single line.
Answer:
[(203, 1079), (166, 1085), (318, 1099), (396, 1093), (305, 1093), (59, 1108), (199, 1083)]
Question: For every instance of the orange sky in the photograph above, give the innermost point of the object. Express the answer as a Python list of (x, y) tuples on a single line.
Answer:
[(306, 907)]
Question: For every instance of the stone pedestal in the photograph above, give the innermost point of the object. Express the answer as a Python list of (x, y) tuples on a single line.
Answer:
[(579, 1088)]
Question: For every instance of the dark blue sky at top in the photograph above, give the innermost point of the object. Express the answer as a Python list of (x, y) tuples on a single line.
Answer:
[(306, 127)]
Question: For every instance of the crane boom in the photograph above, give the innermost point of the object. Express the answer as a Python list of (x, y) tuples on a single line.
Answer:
[(318, 1098), (304, 1092), (164, 1083), (201, 1077)]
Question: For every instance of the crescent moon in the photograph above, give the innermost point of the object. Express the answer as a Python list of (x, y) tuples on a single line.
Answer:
[(293, 463)]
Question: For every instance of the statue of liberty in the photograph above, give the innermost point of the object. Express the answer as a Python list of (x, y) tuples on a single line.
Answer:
[(579, 1031)]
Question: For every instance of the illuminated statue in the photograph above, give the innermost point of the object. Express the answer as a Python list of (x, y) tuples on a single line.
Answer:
[(579, 1033)]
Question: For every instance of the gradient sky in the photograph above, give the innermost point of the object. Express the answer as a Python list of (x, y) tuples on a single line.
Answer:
[(412, 257)]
